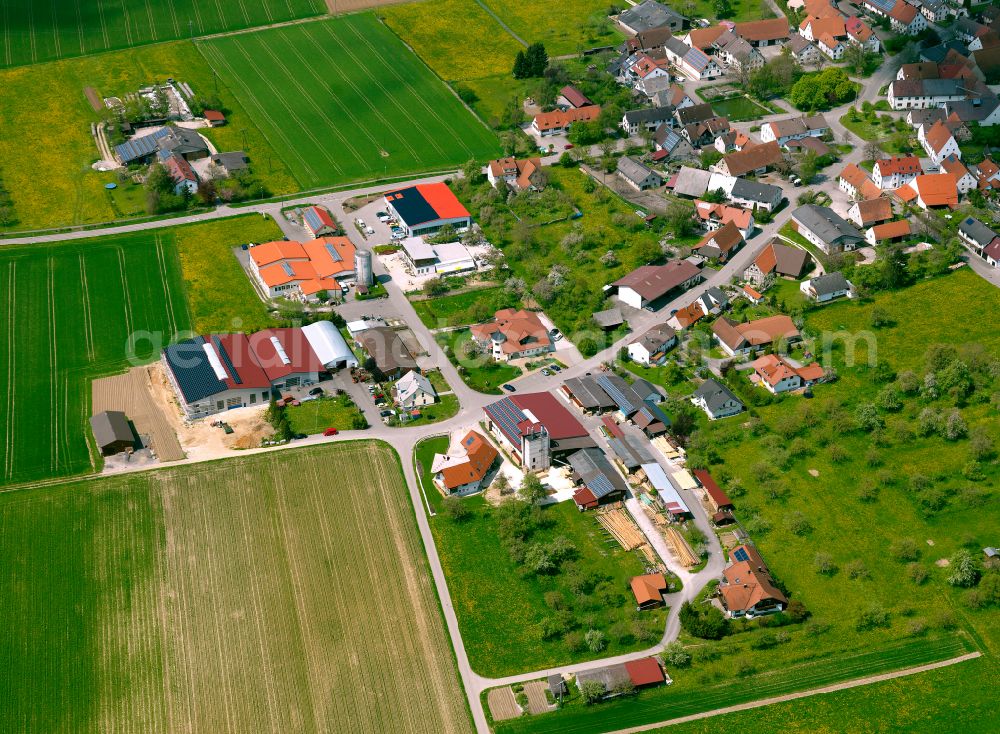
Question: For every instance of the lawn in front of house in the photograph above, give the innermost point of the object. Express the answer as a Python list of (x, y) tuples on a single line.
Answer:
[(445, 407), (315, 416), (502, 612), (740, 108), (479, 372)]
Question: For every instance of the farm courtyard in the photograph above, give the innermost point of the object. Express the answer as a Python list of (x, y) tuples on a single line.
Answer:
[(255, 594)]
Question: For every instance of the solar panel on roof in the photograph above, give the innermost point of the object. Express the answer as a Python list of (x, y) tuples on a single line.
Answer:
[(623, 403), (333, 253), (507, 416), (741, 554), (470, 440), (288, 269), (600, 486)]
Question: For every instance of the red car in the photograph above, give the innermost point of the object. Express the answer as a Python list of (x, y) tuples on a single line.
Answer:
[(330, 432), (568, 146)]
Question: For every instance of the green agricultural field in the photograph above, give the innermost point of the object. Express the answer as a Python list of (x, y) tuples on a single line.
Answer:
[(442, 32), (52, 183), (31, 31), (955, 700), (335, 115), (68, 313), (228, 596), (502, 613), (69, 308)]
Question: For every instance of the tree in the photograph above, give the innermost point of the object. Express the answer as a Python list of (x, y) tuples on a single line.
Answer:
[(676, 656), (502, 484), (595, 640), (868, 417), (808, 165), (893, 269), (955, 427), (880, 317), (680, 218), (824, 564), (521, 69), (592, 691), (872, 151), (435, 287), (905, 550), (536, 59), (454, 509), (965, 569), (532, 491), (874, 616)]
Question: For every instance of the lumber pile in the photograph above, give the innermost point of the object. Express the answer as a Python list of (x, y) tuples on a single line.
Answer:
[(679, 545), (621, 527)]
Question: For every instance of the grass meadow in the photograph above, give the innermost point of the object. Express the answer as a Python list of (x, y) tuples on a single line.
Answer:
[(806, 482), (500, 612), (52, 183), (68, 311), (220, 294), (32, 32), (444, 32), (334, 113), (269, 594), (548, 21)]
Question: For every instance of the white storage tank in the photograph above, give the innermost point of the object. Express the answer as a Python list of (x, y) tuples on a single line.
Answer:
[(363, 268)]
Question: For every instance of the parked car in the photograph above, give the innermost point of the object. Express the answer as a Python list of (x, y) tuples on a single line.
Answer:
[(509, 388), (546, 371), (299, 436), (385, 413), (316, 391), (555, 368), (568, 146), (369, 230), (382, 216), (398, 235), (330, 432)]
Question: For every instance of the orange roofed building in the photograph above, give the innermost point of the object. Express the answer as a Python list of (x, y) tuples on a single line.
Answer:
[(747, 588), (779, 375), (464, 468), (649, 590), (303, 269), (513, 334), (558, 122), (931, 190)]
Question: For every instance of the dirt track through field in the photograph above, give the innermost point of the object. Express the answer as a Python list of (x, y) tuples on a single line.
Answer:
[(132, 394)]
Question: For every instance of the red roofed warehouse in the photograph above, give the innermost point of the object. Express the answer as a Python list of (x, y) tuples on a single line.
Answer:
[(426, 208), (463, 469), (217, 372), (652, 282), (534, 426), (718, 500)]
